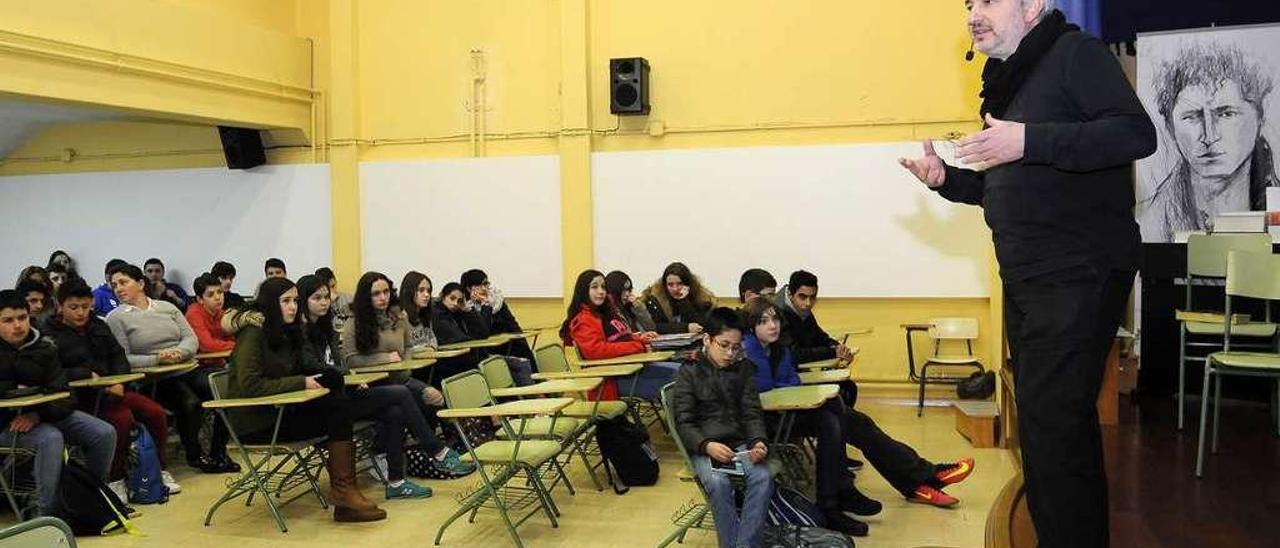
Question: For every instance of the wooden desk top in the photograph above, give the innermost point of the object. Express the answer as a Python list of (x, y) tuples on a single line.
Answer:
[(407, 365), (539, 406), (34, 399), (213, 355), (601, 371), (102, 382), (283, 398), (174, 368), (436, 354), (797, 398), (820, 364), (357, 379), (556, 386), (824, 376), (496, 340), (625, 360)]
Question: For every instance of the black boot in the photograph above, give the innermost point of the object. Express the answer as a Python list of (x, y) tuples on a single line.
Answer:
[(852, 500)]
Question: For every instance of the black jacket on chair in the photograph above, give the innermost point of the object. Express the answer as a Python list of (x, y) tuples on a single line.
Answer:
[(715, 404)]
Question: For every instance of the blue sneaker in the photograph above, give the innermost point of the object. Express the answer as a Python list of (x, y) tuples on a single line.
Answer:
[(408, 490), (452, 465)]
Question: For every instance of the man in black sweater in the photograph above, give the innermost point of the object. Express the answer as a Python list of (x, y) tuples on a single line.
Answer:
[(1062, 128)]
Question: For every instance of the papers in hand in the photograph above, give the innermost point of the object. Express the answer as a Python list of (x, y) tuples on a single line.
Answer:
[(735, 467)]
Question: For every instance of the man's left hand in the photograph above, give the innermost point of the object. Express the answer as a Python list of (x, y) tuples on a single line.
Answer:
[(1001, 143), (758, 452)]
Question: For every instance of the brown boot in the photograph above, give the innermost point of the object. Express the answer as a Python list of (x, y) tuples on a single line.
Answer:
[(348, 502)]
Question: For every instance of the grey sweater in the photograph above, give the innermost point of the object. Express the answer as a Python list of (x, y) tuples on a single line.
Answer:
[(144, 333), (393, 336)]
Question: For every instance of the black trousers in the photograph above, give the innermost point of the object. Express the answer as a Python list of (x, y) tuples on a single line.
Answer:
[(184, 396), (1060, 329)]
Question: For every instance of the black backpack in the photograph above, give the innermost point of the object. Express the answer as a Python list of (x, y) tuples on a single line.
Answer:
[(795, 536), (88, 506), (625, 446), (980, 385)]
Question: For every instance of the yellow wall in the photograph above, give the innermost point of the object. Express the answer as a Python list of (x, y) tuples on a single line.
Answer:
[(397, 79)]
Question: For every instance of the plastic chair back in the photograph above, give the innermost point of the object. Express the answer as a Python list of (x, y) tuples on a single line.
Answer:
[(551, 359), (953, 328), (466, 390), (1253, 275), (496, 372), (1207, 253)]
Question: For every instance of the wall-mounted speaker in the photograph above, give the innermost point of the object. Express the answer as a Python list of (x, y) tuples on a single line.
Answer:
[(242, 147), (629, 86)]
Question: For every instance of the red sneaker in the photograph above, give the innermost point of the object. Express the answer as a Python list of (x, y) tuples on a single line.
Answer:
[(933, 497), (953, 472)]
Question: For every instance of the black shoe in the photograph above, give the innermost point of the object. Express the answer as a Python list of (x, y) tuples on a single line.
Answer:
[(838, 521), (225, 464), (852, 500), (205, 465), (852, 465)]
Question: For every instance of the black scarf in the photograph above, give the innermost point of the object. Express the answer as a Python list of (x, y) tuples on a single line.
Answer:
[(1002, 79)]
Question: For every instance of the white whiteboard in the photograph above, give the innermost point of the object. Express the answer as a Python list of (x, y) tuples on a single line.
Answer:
[(189, 218), (442, 217), (848, 213)]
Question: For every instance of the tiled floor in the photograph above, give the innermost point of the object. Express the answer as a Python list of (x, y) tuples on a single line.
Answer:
[(590, 519)]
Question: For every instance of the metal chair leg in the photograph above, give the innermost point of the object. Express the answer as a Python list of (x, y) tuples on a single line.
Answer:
[(1182, 375), (1217, 409), (924, 376), (1204, 412)]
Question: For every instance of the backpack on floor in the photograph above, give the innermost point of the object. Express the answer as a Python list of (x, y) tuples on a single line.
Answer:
[(795, 536), (88, 506), (418, 464), (791, 507), (145, 484), (980, 385), (626, 448)]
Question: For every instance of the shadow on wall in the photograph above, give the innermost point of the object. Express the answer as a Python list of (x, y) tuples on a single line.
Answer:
[(949, 234)]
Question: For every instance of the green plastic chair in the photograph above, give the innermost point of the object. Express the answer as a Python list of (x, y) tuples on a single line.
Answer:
[(695, 513), (1207, 264), (280, 466), (564, 430), (552, 359), (499, 462), (1254, 276)]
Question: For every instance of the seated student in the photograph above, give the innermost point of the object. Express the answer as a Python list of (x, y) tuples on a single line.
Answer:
[(379, 333), (153, 332), (274, 268), (618, 286), (391, 405), (206, 317), (58, 275), (341, 300), (678, 300), (37, 297), (415, 301), (87, 349), (33, 272), (104, 298), (488, 300), (718, 414), (27, 360), (918, 480), (756, 282), (61, 259), (593, 326), (226, 274), (270, 358), (159, 288), (774, 368), (453, 321)]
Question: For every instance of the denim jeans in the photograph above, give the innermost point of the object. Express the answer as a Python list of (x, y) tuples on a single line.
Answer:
[(94, 436), (734, 530), (649, 381)]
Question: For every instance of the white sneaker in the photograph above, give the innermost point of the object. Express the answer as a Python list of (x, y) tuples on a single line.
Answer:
[(120, 490), (172, 484)]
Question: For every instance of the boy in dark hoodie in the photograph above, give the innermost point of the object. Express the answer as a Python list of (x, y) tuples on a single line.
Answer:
[(27, 360), (718, 415)]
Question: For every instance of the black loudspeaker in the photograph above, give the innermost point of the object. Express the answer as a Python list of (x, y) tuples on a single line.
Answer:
[(629, 86), (242, 147)]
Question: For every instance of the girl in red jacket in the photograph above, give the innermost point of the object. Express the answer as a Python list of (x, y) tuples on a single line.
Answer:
[(592, 325)]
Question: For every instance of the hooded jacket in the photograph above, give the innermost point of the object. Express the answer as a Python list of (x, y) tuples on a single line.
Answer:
[(671, 316), (808, 342), (717, 404)]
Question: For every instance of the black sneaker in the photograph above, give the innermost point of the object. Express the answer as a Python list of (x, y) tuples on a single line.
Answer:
[(205, 465), (852, 500), (839, 521), (225, 464)]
